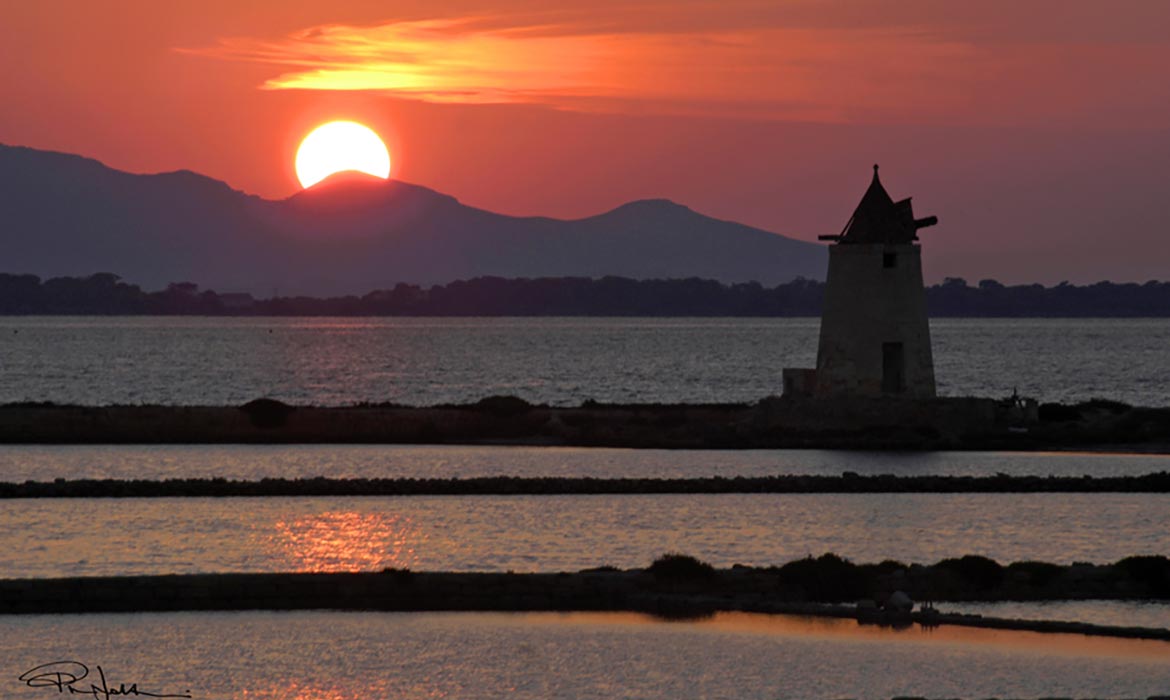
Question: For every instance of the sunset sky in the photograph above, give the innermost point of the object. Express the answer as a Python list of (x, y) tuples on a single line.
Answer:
[(1037, 130)]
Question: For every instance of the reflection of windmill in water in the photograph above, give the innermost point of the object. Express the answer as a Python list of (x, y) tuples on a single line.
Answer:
[(875, 337)]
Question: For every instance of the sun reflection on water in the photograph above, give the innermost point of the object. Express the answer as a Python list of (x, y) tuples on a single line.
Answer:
[(348, 541), (361, 689), (298, 692)]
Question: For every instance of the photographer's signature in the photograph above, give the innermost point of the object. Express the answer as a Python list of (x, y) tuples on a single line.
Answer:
[(68, 676)]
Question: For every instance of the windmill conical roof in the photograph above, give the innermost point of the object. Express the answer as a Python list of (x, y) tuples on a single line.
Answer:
[(879, 219)]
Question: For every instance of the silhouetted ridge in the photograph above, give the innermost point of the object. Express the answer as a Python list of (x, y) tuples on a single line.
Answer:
[(23, 155), (648, 206), (190, 178), (356, 198), (347, 177), (68, 216), (352, 184), (39, 164)]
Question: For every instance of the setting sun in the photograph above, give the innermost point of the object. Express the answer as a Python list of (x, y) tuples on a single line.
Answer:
[(341, 146)]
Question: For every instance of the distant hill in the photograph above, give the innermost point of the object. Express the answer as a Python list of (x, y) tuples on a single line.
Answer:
[(64, 215)]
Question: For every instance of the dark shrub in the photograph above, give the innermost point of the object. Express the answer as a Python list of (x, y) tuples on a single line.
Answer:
[(267, 413), (884, 568), (1038, 573), (1058, 413), (504, 406), (1151, 571), (30, 404), (403, 575), (1145, 424), (1105, 405), (670, 419), (378, 404), (673, 566), (984, 573), (828, 578)]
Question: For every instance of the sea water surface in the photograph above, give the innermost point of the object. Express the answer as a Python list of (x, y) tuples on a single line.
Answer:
[(1121, 613), (102, 537), (356, 656), (560, 361), (339, 656)]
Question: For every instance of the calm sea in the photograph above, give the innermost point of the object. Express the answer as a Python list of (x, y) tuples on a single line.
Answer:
[(91, 537), (358, 656), (344, 656), (562, 361)]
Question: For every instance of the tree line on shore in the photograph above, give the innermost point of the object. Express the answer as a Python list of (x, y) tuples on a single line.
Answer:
[(107, 294)]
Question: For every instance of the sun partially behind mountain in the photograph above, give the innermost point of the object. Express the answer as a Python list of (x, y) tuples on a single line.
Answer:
[(341, 146)]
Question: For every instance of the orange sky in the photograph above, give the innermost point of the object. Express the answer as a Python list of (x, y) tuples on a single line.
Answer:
[(1036, 129)]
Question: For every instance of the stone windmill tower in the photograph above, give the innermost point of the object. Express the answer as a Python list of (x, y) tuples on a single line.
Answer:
[(875, 337)]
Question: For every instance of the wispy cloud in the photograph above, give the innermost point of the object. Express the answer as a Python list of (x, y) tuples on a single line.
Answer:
[(586, 66), (441, 60), (766, 59)]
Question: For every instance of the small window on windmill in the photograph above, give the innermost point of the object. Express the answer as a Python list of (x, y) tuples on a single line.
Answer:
[(889, 260)]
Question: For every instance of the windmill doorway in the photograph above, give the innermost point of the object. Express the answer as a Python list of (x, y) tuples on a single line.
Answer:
[(893, 368)]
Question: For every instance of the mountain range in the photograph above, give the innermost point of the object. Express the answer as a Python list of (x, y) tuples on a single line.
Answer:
[(64, 214)]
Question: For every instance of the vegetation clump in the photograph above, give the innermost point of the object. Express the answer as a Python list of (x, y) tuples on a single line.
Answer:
[(107, 293), (673, 566), (1058, 413), (1145, 424), (1036, 573), (1109, 405), (267, 413), (399, 575), (984, 573), (827, 578), (1152, 571), (887, 566), (503, 406)]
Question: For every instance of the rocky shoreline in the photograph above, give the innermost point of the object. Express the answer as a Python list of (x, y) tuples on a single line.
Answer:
[(674, 586), (777, 422)]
